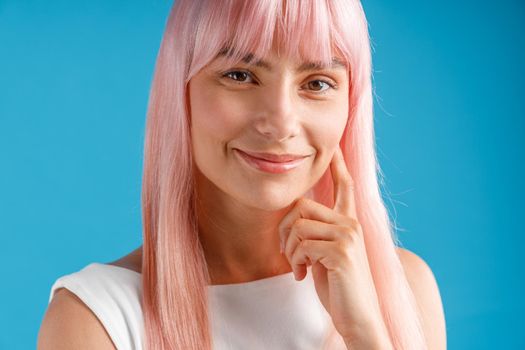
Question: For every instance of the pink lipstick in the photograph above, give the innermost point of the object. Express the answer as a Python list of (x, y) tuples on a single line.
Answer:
[(271, 162)]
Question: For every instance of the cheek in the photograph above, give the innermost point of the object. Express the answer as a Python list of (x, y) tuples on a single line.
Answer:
[(327, 127), (215, 117), (329, 133), (325, 132)]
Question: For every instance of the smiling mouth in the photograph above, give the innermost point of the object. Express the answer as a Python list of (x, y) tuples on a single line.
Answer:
[(278, 165), (274, 157)]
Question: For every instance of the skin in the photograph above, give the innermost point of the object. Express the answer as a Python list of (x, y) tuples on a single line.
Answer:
[(244, 213), (282, 111)]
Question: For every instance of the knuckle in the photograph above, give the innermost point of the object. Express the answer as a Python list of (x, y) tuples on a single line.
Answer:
[(351, 238), (302, 201), (296, 229), (342, 233), (305, 244), (346, 181), (348, 230), (349, 251), (353, 224), (344, 253), (288, 253), (299, 223), (352, 235)]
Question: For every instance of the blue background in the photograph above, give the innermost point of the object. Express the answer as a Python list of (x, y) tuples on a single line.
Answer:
[(449, 85)]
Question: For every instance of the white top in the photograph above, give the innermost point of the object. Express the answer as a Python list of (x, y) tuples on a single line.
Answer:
[(271, 313)]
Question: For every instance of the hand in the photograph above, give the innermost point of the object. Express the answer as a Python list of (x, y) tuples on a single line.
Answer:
[(332, 241)]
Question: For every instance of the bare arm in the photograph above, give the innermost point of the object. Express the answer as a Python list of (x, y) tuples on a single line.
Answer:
[(69, 324), (426, 291)]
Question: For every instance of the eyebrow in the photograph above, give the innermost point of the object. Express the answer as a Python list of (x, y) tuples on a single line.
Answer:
[(306, 66)]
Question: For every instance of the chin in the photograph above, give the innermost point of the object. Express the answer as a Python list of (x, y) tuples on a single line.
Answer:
[(268, 200)]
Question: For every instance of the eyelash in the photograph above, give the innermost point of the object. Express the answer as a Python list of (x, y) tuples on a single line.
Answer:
[(331, 85)]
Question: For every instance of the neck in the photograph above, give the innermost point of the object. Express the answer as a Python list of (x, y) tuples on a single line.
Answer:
[(240, 243)]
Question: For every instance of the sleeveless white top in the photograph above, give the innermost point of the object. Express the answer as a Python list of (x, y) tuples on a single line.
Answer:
[(271, 313)]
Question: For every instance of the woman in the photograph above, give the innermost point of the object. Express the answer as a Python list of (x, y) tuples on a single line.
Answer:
[(259, 136)]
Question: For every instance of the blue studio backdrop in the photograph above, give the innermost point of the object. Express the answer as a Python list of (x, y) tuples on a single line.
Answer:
[(449, 118)]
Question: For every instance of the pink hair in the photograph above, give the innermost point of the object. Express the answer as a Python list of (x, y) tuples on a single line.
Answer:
[(174, 270)]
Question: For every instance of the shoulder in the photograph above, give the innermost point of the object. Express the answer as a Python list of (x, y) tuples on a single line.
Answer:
[(413, 264), (426, 291), (69, 324), (131, 261)]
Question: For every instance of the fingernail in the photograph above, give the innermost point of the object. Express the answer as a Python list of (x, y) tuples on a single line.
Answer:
[(281, 246)]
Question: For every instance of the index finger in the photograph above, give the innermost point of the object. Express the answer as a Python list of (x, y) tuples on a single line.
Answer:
[(344, 199)]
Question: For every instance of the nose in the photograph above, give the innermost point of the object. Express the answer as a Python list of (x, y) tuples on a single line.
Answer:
[(278, 119)]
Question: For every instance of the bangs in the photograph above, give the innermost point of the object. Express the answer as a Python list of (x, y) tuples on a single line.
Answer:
[(248, 30)]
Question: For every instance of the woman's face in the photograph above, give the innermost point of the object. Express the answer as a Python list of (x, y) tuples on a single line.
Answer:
[(278, 106)]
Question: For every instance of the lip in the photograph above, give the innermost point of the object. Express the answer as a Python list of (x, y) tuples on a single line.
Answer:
[(271, 163), (272, 157)]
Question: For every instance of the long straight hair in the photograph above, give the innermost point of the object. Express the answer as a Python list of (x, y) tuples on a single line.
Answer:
[(174, 269)]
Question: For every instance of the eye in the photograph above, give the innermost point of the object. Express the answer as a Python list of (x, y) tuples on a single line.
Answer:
[(315, 84), (241, 76), (237, 76)]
